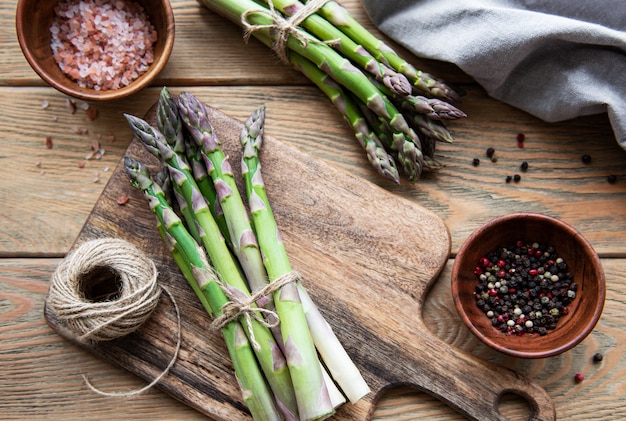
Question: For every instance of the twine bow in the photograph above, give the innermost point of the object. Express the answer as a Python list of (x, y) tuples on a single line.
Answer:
[(246, 307), (282, 28)]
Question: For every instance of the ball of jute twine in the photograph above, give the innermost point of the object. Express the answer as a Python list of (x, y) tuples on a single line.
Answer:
[(135, 299)]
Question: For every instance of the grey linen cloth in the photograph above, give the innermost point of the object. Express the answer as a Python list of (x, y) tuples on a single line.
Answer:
[(555, 59)]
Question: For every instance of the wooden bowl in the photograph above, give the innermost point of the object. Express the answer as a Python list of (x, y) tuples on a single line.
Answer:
[(33, 20), (583, 262)]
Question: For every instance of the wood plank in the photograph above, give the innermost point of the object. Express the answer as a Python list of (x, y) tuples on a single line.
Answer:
[(49, 209), (41, 373)]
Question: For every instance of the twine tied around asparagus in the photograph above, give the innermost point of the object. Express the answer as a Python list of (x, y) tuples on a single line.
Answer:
[(246, 306), (283, 28), (82, 296)]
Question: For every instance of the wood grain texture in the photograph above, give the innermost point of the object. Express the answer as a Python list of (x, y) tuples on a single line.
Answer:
[(369, 277), (45, 207)]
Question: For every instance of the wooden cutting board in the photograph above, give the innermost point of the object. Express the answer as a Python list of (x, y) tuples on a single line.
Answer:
[(367, 258)]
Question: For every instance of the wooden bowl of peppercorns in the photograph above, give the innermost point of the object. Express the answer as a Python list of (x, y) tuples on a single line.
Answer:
[(528, 285)]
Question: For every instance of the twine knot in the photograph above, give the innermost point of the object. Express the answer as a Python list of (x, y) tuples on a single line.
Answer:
[(245, 306), (282, 28)]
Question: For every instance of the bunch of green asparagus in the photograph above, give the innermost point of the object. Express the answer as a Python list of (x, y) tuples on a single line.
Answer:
[(287, 360), (395, 110)]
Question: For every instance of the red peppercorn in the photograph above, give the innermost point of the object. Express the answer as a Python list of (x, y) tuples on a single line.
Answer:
[(484, 262), (538, 253), (533, 272), (564, 310), (501, 274), (478, 271), (520, 243), (579, 377), (501, 264), (512, 290), (531, 251), (493, 292)]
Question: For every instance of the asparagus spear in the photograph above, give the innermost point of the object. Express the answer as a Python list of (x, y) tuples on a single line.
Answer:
[(423, 82), (147, 135), (340, 365), (267, 351), (170, 124), (433, 108), (256, 395), (252, 132), (162, 180), (304, 366), (376, 153), (428, 127), (196, 120)]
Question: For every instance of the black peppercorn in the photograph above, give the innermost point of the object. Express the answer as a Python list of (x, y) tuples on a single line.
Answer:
[(611, 178), (524, 166), (476, 162), (490, 152), (517, 178), (508, 178), (586, 159), (597, 357)]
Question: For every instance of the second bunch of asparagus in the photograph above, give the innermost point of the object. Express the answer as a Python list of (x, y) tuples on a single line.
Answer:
[(395, 110)]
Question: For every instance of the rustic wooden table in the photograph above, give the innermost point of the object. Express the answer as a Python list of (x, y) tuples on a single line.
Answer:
[(46, 198)]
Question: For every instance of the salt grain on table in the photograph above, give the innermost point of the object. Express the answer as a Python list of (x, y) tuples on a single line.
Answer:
[(102, 44)]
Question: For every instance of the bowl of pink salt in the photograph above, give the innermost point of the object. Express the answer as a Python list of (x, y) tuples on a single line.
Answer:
[(96, 49)]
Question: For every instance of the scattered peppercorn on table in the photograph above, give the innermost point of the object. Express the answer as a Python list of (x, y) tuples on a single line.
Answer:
[(57, 158)]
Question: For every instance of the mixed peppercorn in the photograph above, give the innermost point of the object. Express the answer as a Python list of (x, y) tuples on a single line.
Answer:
[(521, 138), (524, 288)]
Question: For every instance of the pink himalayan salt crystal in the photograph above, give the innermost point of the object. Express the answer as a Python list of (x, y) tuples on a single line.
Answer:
[(102, 44)]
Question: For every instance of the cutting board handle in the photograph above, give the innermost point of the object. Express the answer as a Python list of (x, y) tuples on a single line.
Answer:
[(475, 387)]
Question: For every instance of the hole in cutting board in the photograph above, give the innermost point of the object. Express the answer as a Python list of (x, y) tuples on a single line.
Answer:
[(408, 404), (100, 284), (514, 407)]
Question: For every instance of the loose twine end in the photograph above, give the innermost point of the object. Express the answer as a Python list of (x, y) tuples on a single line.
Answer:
[(116, 317), (281, 27)]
